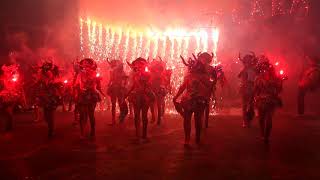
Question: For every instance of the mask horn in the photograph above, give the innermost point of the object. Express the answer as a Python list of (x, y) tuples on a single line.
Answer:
[(130, 65), (194, 56), (184, 61), (108, 61), (198, 54)]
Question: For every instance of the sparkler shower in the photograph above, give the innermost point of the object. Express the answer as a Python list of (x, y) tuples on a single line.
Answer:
[(101, 41)]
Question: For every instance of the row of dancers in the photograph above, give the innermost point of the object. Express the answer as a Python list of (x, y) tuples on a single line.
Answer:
[(146, 87)]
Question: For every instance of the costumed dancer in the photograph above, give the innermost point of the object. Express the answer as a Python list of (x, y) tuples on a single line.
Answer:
[(76, 91), (221, 78), (309, 82), (197, 87), (160, 82), (141, 95), (117, 89), (267, 88), (168, 87), (49, 92), (88, 97), (247, 76), (11, 93), (212, 74)]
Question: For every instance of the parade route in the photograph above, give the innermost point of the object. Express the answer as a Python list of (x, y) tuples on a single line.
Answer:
[(228, 151)]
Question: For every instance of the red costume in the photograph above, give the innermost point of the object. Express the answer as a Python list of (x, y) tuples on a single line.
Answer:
[(49, 92), (157, 70), (310, 81), (49, 87), (213, 75), (197, 94), (160, 84), (10, 86), (267, 88), (117, 89), (141, 94), (247, 76), (88, 95), (197, 89), (10, 92), (216, 75)]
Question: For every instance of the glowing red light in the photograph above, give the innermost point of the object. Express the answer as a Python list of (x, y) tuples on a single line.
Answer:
[(277, 63), (14, 79), (98, 75), (65, 81), (281, 72)]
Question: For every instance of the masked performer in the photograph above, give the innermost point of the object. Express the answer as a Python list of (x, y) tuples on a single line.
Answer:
[(267, 88), (117, 89), (309, 82), (88, 95), (213, 74), (76, 91), (10, 93), (197, 87), (160, 82), (49, 92), (247, 76), (141, 95)]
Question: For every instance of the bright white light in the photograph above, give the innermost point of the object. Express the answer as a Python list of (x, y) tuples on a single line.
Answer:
[(128, 42)]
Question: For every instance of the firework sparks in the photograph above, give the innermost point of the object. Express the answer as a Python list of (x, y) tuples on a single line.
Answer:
[(113, 41), (134, 45), (117, 44), (100, 42), (139, 48), (81, 37), (126, 44), (215, 39), (107, 43), (93, 37), (197, 43), (163, 46), (185, 46), (155, 47), (204, 40)]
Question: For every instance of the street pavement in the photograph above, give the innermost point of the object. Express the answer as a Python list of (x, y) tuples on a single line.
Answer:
[(227, 151)]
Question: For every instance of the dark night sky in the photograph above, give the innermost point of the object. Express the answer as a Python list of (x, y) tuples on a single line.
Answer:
[(34, 12), (33, 16), (41, 12), (30, 15)]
